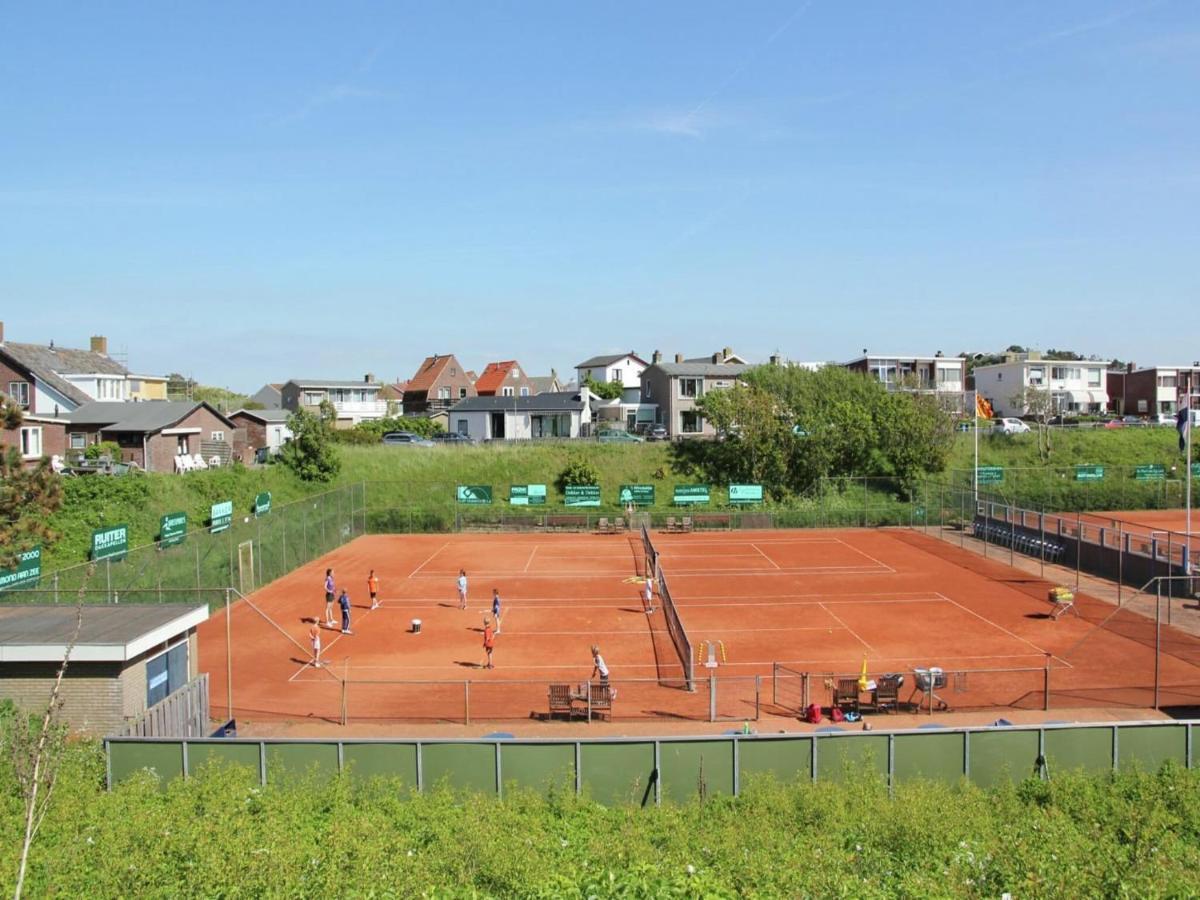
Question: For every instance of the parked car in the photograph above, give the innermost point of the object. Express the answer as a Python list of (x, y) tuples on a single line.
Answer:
[(658, 433), (618, 437), (403, 438), (1133, 420), (1010, 426), (1165, 419), (453, 437)]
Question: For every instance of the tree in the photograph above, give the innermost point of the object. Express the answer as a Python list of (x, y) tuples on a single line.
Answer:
[(578, 471), (28, 496), (605, 390), (757, 443), (1039, 404), (310, 453)]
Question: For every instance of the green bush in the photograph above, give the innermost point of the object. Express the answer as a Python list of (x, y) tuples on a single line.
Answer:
[(578, 471), (111, 449)]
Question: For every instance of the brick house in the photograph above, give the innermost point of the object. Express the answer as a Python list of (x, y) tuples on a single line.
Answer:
[(677, 387), (439, 383), (263, 428), (1157, 390), (126, 658), (353, 401), (504, 379), (939, 376), (153, 434)]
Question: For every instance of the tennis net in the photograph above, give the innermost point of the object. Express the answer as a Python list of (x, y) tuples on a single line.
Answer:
[(679, 637)]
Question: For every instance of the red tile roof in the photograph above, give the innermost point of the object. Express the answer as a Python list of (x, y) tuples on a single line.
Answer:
[(428, 372), (493, 376)]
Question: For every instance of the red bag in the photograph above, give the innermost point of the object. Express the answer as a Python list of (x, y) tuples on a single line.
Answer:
[(813, 715), (836, 715)]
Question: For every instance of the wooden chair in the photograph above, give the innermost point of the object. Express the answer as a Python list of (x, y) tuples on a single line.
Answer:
[(602, 698), (886, 696), (618, 524), (560, 701), (845, 695), (671, 526), (603, 527), (687, 523)]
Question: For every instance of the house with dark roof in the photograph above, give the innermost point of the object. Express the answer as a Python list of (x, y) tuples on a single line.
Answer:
[(50, 380), (439, 383), (561, 415), (676, 388), (723, 356), (547, 384), (270, 395), (503, 379), (353, 401), (152, 434), (264, 428), (629, 411)]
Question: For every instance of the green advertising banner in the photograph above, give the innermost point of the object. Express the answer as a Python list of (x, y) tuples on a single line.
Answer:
[(1089, 473), (582, 495), (745, 493), (1196, 470), (1151, 472), (690, 493), (221, 516), (637, 494), (110, 543), (990, 474), (27, 572), (527, 495), (474, 493), (172, 529), (262, 504)]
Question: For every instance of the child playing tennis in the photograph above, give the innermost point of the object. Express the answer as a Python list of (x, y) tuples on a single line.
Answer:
[(329, 598), (489, 642), (462, 588), (314, 635), (373, 589), (496, 608)]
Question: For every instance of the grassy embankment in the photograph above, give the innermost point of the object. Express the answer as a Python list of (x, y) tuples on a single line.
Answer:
[(411, 478), (220, 833)]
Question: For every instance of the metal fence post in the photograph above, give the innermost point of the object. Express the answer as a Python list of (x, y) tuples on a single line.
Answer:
[(1078, 546), (757, 697), (712, 698), (1046, 685), (466, 701), (228, 657), (1042, 542), (1120, 559)]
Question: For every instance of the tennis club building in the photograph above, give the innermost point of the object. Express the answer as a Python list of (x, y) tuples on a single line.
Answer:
[(126, 658)]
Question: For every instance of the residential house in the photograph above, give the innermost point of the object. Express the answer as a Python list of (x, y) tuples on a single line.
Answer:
[(1074, 386), (152, 434), (630, 409), (264, 428), (353, 401), (503, 379), (1155, 390), (393, 395), (439, 383), (725, 355), (944, 377), (147, 387), (560, 415), (547, 384), (60, 379), (269, 395), (675, 389)]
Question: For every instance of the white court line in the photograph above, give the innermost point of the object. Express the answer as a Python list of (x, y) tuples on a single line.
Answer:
[(853, 633), (993, 624), (532, 553), (868, 556), (727, 600), (325, 648), (675, 573), (413, 573), (764, 556)]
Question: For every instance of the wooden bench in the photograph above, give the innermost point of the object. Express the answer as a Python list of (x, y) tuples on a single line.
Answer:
[(601, 700), (713, 520), (562, 701)]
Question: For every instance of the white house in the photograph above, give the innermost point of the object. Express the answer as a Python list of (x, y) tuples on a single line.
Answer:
[(1075, 386), (561, 415), (626, 370), (353, 401)]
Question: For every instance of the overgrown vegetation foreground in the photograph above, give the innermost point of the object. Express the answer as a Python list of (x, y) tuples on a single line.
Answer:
[(1131, 834)]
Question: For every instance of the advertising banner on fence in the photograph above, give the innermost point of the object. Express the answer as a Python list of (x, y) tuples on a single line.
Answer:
[(745, 493), (262, 504), (637, 494), (27, 572), (527, 495), (474, 493), (583, 495), (990, 474), (1089, 473), (221, 516), (690, 493), (172, 529), (110, 543), (1152, 472)]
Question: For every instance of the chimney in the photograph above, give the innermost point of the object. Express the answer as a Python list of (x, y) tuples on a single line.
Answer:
[(775, 360), (938, 355), (369, 378), (678, 357), (100, 344), (656, 358), (726, 352), (716, 358), (1129, 367)]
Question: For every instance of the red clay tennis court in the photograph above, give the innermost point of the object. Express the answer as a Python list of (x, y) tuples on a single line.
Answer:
[(773, 604)]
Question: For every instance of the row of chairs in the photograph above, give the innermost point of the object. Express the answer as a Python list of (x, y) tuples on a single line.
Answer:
[(604, 526), (195, 462), (1022, 542)]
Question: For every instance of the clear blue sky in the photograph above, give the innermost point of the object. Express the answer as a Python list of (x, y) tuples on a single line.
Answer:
[(250, 192)]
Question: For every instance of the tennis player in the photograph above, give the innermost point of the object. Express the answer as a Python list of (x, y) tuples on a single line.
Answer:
[(496, 608), (329, 598), (373, 589), (314, 635), (648, 594), (462, 588), (489, 642)]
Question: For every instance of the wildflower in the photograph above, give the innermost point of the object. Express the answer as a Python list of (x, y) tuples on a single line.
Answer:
[(691, 870)]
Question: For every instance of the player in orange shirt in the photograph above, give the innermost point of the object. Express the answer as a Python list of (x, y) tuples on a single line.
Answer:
[(373, 589), (314, 635)]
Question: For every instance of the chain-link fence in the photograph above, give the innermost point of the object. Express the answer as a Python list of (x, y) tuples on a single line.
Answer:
[(251, 552)]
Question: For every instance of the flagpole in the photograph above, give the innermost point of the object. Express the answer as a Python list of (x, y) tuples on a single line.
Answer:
[(975, 476)]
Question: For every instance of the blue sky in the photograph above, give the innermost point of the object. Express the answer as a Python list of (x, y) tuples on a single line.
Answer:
[(251, 192)]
